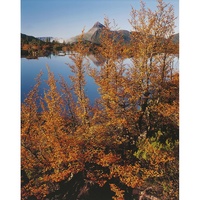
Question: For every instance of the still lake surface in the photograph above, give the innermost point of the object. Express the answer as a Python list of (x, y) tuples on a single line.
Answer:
[(30, 68)]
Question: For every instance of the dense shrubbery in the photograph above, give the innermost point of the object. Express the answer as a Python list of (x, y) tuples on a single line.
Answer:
[(123, 147)]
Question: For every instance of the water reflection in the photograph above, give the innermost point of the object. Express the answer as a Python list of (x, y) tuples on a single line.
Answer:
[(58, 64)]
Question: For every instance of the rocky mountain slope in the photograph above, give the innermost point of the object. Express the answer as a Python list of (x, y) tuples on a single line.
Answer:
[(93, 35)]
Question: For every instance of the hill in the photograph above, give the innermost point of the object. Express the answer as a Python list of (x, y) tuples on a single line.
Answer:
[(94, 34), (27, 38)]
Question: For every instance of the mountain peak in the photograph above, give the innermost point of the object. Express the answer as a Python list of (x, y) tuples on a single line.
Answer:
[(98, 25)]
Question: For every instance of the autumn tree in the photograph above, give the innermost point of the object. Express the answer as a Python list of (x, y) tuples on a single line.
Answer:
[(78, 79), (128, 141), (153, 87), (111, 79), (50, 153), (141, 99)]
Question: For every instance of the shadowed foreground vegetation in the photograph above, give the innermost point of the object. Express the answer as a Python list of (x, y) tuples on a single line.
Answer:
[(126, 146)]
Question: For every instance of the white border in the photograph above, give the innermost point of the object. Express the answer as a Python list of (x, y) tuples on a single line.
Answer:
[(189, 101), (10, 99)]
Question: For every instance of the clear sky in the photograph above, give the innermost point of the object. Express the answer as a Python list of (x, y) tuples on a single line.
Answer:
[(67, 18)]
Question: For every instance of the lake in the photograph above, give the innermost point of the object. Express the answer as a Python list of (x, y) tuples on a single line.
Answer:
[(30, 68), (58, 64)]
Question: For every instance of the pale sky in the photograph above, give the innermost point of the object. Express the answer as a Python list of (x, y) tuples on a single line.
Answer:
[(67, 18)]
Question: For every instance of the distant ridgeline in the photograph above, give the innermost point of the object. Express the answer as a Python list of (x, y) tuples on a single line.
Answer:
[(94, 35), (27, 38), (33, 47), (42, 45)]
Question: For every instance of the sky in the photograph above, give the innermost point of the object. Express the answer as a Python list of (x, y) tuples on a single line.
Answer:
[(67, 18)]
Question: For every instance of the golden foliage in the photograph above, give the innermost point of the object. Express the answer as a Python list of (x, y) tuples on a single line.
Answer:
[(118, 192), (129, 136)]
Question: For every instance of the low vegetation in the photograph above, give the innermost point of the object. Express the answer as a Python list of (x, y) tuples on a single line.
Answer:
[(125, 146)]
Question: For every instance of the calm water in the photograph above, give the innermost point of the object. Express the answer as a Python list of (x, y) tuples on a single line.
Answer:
[(30, 68)]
